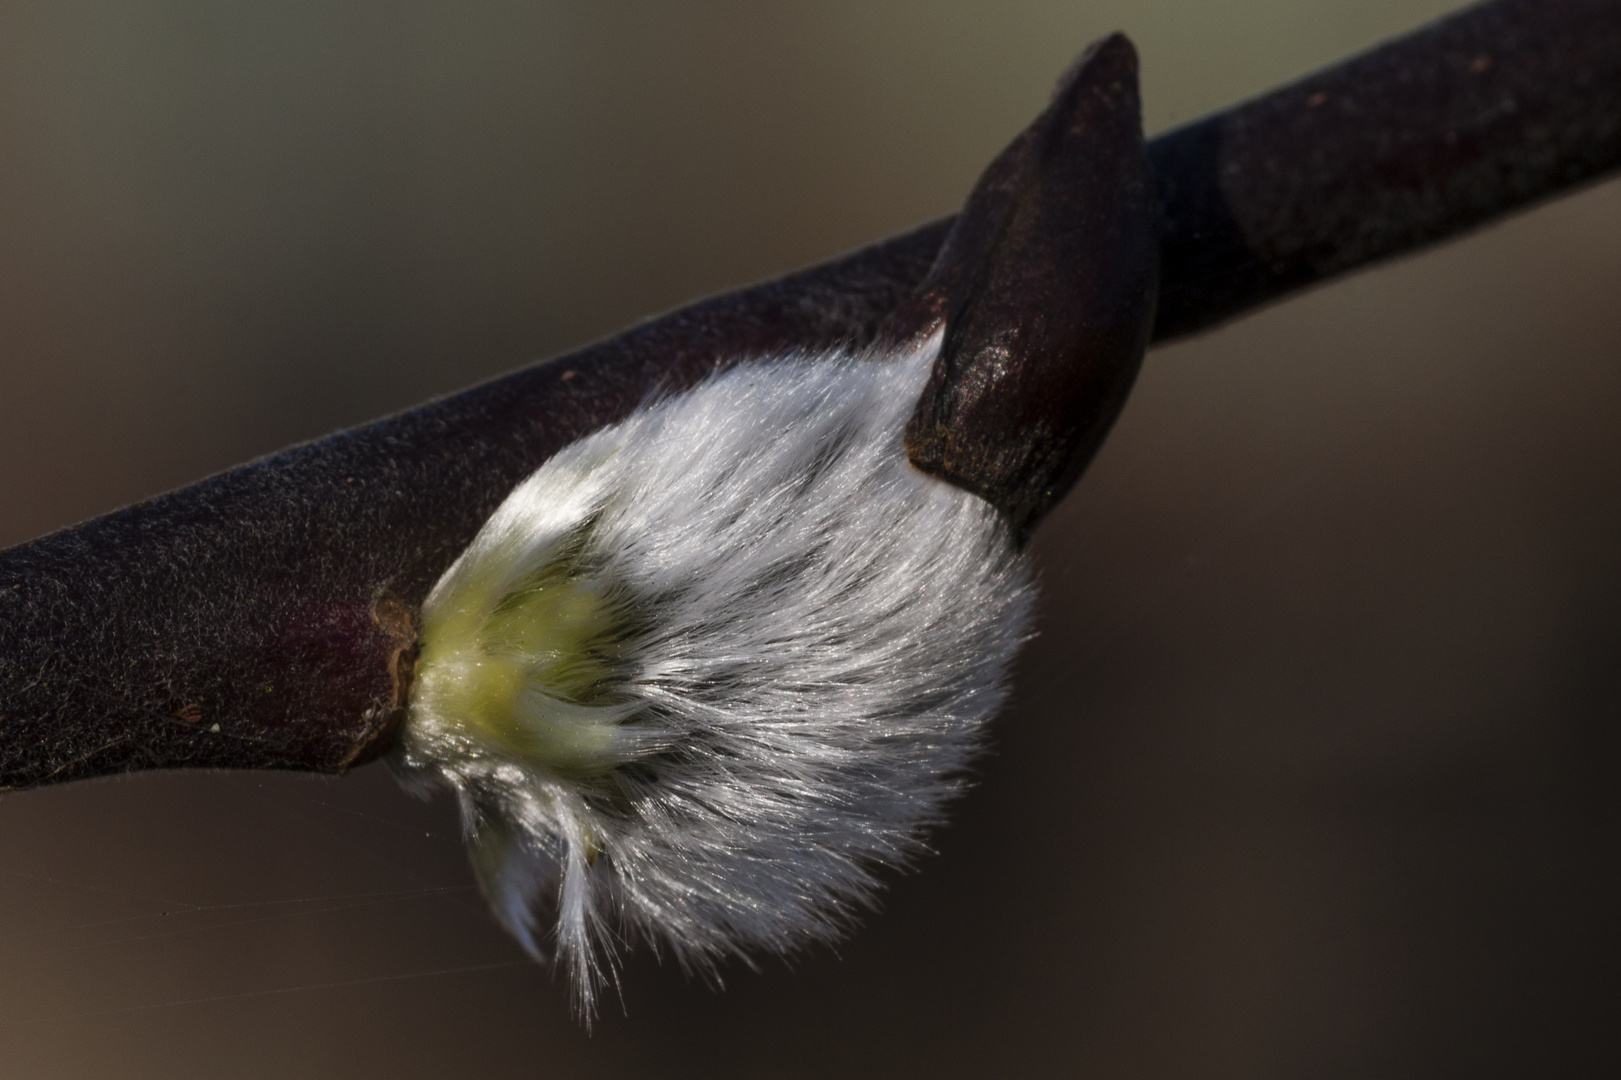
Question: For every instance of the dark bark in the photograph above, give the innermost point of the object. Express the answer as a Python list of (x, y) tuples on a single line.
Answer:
[(1422, 138), (263, 618)]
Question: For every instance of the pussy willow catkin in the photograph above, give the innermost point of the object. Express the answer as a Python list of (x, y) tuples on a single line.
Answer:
[(707, 669)]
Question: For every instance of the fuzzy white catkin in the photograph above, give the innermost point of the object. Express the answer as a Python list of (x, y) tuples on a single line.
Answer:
[(791, 642)]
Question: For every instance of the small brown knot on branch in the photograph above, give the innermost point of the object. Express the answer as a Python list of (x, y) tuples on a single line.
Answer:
[(399, 627)]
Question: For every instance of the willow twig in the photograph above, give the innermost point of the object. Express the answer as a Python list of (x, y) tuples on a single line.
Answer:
[(265, 618)]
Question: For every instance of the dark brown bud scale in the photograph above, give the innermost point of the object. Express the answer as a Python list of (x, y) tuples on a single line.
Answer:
[(1047, 284)]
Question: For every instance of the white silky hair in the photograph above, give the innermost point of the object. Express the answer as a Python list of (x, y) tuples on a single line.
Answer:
[(810, 635)]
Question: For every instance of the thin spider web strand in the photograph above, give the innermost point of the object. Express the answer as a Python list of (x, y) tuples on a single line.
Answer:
[(372, 980), (61, 949), (28, 934)]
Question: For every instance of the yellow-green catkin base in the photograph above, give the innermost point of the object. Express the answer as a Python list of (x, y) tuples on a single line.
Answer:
[(529, 665)]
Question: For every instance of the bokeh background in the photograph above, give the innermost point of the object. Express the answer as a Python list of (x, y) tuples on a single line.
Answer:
[(1313, 770)]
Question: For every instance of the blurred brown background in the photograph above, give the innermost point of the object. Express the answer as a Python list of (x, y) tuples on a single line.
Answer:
[(1313, 770)]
